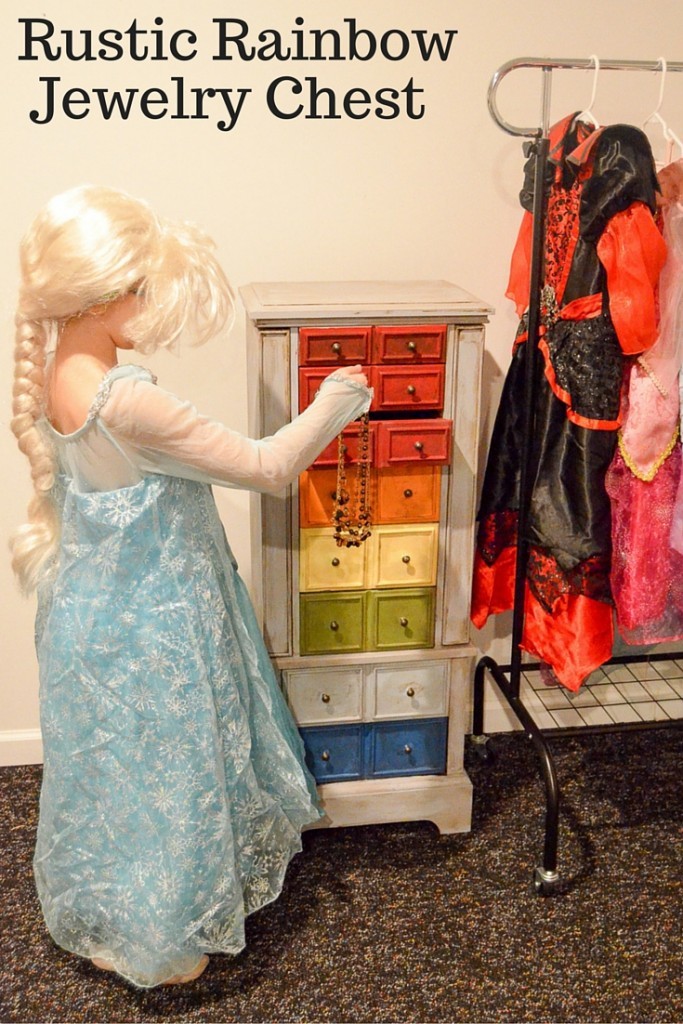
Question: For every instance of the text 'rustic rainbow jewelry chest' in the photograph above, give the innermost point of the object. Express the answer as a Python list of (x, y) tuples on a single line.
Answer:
[(372, 639)]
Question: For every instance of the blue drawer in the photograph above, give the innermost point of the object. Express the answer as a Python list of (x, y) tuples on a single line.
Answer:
[(334, 753), (416, 747)]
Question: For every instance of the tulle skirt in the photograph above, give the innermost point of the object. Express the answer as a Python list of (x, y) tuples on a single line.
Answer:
[(647, 573), (174, 788)]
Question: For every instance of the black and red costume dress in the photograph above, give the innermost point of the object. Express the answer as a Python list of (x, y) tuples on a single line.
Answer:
[(603, 256)]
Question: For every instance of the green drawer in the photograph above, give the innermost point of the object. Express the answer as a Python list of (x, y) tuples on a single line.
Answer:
[(400, 618), (332, 623)]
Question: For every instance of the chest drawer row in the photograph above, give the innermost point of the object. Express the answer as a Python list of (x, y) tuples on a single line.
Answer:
[(395, 443), (379, 750), (341, 346), (397, 388), (371, 620), (406, 494), (366, 693), (393, 556)]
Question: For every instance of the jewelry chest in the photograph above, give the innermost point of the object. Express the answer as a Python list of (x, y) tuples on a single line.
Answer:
[(372, 642)]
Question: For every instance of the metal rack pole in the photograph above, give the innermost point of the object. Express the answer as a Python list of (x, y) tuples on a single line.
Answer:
[(526, 472)]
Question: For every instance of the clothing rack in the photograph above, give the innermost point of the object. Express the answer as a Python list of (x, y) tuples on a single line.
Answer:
[(546, 877)]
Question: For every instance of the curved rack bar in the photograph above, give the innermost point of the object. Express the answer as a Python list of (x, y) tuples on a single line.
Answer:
[(548, 65), (548, 870)]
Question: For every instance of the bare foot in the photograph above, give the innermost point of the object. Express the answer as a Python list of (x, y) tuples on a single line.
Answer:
[(177, 979), (181, 979), (103, 965)]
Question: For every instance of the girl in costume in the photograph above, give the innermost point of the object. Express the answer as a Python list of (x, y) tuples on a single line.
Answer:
[(174, 788)]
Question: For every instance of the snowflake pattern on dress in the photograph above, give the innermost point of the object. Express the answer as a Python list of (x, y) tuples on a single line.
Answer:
[(174, 788)]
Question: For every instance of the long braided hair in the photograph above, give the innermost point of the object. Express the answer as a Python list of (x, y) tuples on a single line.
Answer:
[(86, 244)]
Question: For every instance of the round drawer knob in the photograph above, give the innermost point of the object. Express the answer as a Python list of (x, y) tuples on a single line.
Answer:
[(403, 621), (412, 347), (407, 749), (334, 626), (410, 692), (342, 449), (335, 562), (411, 389), (325, 756), (405, 559), (407, 493), (419, 446), (325, 698), (336, 347)]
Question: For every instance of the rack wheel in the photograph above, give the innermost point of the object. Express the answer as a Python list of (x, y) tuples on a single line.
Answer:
[(545, 882), (480, 746)]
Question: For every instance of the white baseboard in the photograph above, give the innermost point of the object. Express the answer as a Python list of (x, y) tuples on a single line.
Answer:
[(499, 718), (20, 746), (25, 746)]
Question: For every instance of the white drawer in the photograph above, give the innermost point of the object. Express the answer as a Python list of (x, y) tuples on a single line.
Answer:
[(410, 691), (322, 696)]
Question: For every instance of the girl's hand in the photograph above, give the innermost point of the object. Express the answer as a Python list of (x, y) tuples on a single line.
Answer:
[(352, 373)]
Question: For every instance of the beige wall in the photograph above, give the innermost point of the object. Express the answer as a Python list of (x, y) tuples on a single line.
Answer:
[(302, 199)]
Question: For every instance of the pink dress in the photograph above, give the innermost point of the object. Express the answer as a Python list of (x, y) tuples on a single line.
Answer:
[(644, 479)]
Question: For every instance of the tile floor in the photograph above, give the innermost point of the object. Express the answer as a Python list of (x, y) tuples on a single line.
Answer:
[(636, 692)]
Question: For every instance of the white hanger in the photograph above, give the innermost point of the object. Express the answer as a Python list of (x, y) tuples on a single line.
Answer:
[(670, 136), (587, 115)]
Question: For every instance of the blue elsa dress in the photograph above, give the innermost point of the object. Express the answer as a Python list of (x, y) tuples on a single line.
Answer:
[(174, 788)]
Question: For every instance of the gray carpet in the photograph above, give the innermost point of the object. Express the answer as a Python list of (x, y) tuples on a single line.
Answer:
[(395, 923)]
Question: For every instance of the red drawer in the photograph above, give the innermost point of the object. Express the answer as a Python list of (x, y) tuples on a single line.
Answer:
[(334, 346), (401, 442), (310, 379), (408, 387), (352, 442), (409, 344)]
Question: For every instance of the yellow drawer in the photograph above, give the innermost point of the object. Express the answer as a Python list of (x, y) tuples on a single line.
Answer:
[(409, 691), (403, 556), (324, 566), (318, 697)]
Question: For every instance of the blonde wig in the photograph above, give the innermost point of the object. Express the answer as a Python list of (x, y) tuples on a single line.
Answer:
[(86, 246)]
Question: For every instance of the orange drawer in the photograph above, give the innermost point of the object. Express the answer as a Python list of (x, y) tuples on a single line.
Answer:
[(310, 380), (329, 456), (408, 387), (407, 494), (334, 346), (317, 489), (426, 442), (409, 344)]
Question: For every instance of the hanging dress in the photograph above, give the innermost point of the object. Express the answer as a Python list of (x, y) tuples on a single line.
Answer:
[(603, 255), (644, 477), (174, 786)]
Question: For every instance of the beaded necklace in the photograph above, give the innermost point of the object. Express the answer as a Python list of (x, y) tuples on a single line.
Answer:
[(352, 524)]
